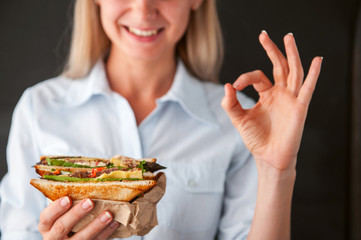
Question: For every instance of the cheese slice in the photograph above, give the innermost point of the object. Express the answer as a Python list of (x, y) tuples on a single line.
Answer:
[(117, 162), (123, 174)]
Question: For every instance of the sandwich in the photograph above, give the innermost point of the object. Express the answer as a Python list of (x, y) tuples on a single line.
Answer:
[(120, 178)]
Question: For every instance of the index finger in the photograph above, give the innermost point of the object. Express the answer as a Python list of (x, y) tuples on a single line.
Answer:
[(52, 212)]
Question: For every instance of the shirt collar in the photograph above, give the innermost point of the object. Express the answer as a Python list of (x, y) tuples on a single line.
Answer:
[(188, 91), (82, 89)]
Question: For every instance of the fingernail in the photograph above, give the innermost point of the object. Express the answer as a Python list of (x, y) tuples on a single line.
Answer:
[(290, 34), (65, 201), (236, 84), (114, 224), (264, 31), (87, 204), (321, 58), (105, 217)]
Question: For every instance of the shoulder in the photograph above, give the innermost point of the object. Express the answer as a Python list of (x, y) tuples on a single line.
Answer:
[(37, 102), (49, 90)]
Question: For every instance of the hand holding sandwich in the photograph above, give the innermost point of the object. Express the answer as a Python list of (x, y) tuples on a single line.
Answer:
[(57, 220), (272, 131), (67, 178)]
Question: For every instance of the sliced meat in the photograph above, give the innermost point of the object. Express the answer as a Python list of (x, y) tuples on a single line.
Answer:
[(80, 174)]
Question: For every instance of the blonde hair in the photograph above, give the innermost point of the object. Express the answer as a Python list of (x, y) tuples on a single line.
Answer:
[(201, 48)]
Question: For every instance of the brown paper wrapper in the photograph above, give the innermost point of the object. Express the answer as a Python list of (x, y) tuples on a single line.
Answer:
[(135, 218)]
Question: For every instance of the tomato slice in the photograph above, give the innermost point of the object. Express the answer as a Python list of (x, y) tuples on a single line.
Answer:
[(57, 172), (95, 170)]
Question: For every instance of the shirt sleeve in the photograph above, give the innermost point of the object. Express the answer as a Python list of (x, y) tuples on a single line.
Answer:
[(240, 196), (21, 204)]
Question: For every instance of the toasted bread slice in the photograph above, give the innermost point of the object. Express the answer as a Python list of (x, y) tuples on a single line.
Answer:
[(92, 159), (42, 168), (73, 158), (112, 190)]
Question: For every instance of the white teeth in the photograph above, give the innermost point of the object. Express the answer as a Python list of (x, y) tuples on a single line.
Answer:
[(142, 33)]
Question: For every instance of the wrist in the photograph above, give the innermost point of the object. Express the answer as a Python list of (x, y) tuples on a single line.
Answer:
[(269, 171), (275, 186)]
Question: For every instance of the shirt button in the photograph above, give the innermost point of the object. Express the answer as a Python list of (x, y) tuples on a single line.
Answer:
[(192, 183)]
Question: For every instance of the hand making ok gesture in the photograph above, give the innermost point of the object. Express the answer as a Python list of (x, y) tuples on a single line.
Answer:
[(272, 129)]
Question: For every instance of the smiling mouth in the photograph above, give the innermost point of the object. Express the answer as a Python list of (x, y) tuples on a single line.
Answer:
[(143, 33)]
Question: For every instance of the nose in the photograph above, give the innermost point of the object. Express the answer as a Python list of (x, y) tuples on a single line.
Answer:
[(146, 9)]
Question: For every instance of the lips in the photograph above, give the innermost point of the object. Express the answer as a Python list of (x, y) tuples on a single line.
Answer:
[(143, 33)]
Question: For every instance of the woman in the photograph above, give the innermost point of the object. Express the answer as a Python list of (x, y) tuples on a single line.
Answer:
[(137, 84)]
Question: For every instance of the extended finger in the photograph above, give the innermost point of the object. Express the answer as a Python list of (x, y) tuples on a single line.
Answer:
[(256, 78), (280, 65), (231, 105), (52, 212), (65, 223), (105, 234), (96, 227), (309, 85), (295, 77)]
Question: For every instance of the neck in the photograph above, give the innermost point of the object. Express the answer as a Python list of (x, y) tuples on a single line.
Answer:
[(131, 77)]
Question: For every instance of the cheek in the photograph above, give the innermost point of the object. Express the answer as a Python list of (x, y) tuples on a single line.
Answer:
[(179, 22), (109, 16)]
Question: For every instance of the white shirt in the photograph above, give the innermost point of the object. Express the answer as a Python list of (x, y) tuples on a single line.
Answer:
[(211, 176)]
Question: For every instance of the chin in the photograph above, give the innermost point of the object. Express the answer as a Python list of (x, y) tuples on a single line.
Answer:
[(148, 54)]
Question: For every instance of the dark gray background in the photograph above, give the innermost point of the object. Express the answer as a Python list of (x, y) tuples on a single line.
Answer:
[(33, 43)]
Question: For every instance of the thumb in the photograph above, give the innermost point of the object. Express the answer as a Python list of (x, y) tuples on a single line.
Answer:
[(231, 105)]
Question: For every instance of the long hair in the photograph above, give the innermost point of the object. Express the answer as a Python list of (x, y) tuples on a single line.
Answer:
[(201, 47)]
